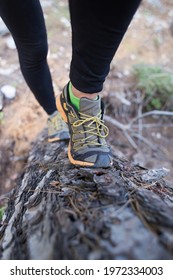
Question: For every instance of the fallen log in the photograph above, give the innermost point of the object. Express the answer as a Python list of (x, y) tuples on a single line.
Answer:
[(59, 211)]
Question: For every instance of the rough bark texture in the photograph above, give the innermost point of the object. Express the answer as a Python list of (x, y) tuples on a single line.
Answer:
[(63, 212)]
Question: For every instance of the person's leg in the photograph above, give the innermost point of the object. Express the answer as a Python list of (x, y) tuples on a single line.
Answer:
[(26, 24), (98, 27), (97, 30), (24, 19)]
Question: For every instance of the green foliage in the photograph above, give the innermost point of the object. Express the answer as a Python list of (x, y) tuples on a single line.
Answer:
[(155, 83), (2, 210), (1, 117)]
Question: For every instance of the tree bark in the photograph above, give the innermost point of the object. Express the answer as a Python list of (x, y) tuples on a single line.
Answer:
[(60, 211)]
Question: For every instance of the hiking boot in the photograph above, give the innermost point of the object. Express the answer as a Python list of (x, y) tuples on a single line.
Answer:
[(87, 145), (57, 128)]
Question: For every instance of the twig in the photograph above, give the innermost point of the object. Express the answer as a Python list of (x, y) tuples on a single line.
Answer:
[(139, 115), (5, 196), (145, 141), (131, 123), (131, 141), (130, 126), (151, 113), (117, 123), (148, 125)]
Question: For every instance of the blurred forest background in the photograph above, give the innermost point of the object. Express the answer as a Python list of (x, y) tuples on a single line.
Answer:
[(138, 92)]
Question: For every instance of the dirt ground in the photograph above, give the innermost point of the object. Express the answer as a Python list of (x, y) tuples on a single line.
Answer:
[(149, 40)]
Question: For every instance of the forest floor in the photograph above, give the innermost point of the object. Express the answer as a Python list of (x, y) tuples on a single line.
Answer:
[(149, 40)]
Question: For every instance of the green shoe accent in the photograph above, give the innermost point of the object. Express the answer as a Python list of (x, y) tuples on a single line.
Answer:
[(75, 101), (57, 128)]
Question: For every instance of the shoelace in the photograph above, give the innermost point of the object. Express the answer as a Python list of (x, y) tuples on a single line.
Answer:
[(95, 127)]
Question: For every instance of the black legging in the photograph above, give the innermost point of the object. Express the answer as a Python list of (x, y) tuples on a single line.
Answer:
[(24, 18), (98, 27)]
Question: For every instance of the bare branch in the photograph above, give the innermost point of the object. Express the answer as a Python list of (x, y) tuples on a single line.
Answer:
[(151, 113), (130, 126), (148, 125), (131, 141), (117, 123), (153, 147)]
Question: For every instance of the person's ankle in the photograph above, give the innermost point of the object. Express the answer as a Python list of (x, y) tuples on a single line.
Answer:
[(75, 96), (80, 94)]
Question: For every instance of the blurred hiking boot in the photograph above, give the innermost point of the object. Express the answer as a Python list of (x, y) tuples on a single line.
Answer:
[(57, 128)]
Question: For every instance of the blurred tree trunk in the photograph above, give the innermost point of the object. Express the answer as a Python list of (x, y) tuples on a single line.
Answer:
[(63, 212)]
